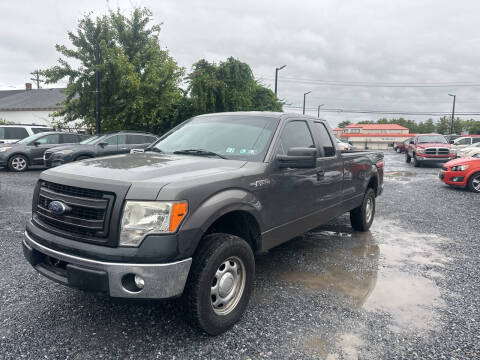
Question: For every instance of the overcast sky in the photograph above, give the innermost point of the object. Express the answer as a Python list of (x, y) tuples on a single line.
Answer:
[(368, 41)]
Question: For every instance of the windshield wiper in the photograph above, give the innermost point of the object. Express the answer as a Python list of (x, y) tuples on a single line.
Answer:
[(199, 152)]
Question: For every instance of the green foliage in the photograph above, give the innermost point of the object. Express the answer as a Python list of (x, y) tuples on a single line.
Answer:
[(5, 122), (228, 86), (139, 86), (344, 123)]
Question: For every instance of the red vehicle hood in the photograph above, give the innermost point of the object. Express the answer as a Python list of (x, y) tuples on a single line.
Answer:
[(462, 161), (425, 145)]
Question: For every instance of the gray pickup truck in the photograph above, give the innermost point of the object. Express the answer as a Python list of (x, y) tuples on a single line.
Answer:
[(185, 217)]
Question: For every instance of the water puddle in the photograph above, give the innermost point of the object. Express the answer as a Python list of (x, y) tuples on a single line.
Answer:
[(380, 270), (401, 176)]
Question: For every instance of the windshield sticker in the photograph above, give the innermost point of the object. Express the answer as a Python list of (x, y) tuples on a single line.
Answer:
[(230, 150), (252, 152), (243, 151)]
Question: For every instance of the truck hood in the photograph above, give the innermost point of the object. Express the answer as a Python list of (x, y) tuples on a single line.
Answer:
[(427, 145), (144, 173)]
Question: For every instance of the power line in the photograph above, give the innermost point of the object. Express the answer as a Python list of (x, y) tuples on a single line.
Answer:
[(375, 84), (384, 112)]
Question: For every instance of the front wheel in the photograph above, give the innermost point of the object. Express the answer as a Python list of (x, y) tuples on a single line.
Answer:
[(361, 217), (416, 163), (474, 183), (18, 163), (220, 283)]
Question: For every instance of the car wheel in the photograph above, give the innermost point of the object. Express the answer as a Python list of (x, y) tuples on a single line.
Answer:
[(18, 163), (474, 182), (220, 283), (361, 217), (416, 163), (407, 158)]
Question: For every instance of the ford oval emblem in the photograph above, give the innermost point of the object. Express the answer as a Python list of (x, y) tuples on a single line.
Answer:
[(57, 207)]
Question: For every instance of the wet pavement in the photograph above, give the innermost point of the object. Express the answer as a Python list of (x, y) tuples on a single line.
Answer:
[(408, 288)]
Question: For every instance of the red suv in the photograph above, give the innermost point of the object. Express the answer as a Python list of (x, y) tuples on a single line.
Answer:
[(428, 148)]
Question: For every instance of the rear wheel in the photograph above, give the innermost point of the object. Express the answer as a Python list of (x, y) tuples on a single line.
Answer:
[(361, 217), (407, 158), (220, 283), (474, 182), (18, 163)]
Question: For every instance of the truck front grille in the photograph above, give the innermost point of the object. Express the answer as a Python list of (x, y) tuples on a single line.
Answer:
[(437, 151), (88, 211)]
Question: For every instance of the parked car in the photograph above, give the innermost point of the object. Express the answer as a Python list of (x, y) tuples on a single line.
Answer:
[(400, 147), (21, 155), (465, 141), (469, 151), (428, 148), (12, 133), (463, 172), (343, 145), (452, 137), (101, 145), (185, 217)]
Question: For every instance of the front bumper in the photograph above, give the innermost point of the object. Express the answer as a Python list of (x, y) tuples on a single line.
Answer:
[(161, 280), (434, 159), (455, 178), (54, 160)]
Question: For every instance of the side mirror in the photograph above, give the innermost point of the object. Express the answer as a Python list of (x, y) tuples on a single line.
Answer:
[(452, 142), (412, 142), (103, 144), (298, 158), (36, 143)]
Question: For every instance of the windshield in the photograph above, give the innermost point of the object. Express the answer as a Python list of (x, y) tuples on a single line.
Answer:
[(93, 139), (232, 136), (431, 139), (31, 138)]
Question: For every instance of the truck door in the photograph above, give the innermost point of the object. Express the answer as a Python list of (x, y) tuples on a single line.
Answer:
[(292, 193), (329, 171)]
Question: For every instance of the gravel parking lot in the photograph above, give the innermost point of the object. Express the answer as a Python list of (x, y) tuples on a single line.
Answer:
[(409, 288)]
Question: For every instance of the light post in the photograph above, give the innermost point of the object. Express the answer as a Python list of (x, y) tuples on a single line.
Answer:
[(319, 106), (453, 112), (276, 77), (304, 97)]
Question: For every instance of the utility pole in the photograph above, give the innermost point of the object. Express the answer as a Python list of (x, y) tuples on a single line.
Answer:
[(97, 90), (276, 77), (36, 77), (304, 97), (319, 106), (453, 113)]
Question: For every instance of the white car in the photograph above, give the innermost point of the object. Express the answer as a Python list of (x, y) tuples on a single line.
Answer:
[(465, 141), (469, 151), (343, 145), (12, 133)]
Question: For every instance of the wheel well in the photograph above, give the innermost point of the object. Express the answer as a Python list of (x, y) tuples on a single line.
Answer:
[(83, 155), (239, 223), (373, 184)]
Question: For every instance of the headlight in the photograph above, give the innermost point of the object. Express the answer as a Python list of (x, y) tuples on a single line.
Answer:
[(63, 152), (459, 168), (420, 151), (141, 218), (6, 148)]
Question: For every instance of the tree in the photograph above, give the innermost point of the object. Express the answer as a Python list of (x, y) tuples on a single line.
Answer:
[(344, 123), (139, 87), (228, 86), (443, 125)]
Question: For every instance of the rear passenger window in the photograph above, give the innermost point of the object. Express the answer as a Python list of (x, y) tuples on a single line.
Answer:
[(42, 129), (295, 134), (476, 140), (122, 139), (325, 142), (15, 133), (69, 138)]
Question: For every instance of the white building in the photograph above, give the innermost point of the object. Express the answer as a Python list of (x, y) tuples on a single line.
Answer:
[(30, 106)]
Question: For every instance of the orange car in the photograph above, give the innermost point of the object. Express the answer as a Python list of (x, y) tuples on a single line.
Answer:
[(462, 172)]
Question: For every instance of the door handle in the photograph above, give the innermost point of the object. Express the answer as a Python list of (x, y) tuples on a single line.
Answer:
[(320, 175)]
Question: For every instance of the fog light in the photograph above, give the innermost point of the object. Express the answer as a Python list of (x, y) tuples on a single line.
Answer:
[(139, 282)]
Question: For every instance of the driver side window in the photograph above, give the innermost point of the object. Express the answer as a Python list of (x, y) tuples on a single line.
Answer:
[(112, 140), (295, 134)]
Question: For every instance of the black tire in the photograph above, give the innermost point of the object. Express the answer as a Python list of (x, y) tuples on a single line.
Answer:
[(474, 182), (18, 163), (407, 158), (416, 163), (359, 218), (215, 251), (82, 157)]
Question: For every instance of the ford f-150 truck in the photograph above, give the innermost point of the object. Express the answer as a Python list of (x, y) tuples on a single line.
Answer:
[(186, 216), (428, 148)]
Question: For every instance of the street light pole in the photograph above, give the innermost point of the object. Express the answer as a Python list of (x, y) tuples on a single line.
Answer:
[(276, 77), (453, 112), (304, 97), (319, 106)]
